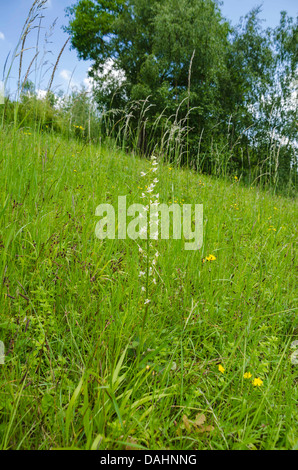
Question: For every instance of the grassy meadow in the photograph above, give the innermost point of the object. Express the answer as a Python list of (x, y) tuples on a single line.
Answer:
[(123, 344)]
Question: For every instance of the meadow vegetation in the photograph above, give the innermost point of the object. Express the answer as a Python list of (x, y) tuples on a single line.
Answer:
[(135, 344), (81, 369)]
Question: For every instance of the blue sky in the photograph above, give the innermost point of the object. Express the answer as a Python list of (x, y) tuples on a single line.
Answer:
[(14, 13)]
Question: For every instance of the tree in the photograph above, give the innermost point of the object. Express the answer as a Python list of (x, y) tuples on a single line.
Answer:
[(263, 73), (181, 58), (153, 43), (28, 89)]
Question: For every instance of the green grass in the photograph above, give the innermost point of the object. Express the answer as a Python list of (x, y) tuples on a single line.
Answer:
[(80, 370)]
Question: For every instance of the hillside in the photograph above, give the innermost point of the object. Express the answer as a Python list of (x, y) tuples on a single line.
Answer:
[(116, 344)]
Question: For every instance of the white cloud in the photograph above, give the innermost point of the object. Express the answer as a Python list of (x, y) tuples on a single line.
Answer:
[(41, 94), (2, 36), (110, 72), (67, 75), (89, 84), (110, 75)]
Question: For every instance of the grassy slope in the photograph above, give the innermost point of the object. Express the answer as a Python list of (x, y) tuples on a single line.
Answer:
[(72, 308)]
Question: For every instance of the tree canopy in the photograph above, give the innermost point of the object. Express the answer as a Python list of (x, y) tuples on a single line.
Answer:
[(185, 56)]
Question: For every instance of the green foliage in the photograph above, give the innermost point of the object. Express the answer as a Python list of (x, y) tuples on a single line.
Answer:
[(33, 112), (183, 59), (72, 115), (205, 358), (76, 374), (79, 115)]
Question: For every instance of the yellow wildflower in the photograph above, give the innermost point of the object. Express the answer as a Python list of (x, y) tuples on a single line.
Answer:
[(257, 382), (247, 375), (221, 369), (211, 258)]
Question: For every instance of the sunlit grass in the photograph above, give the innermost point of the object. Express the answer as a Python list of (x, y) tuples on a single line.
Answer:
[(72, 309)]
